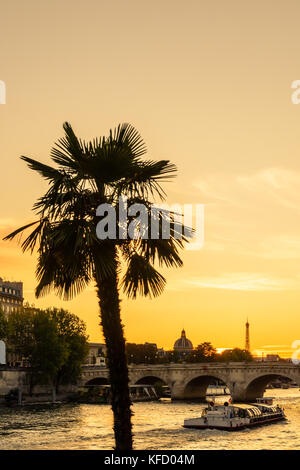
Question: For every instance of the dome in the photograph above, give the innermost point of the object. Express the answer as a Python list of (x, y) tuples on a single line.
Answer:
[(183, 344)]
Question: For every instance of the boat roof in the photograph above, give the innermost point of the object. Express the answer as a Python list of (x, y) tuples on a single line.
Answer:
[(268, 407), (244, 406), (264, 405)]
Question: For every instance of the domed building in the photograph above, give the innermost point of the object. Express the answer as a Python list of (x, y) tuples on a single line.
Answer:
[(183, 345)]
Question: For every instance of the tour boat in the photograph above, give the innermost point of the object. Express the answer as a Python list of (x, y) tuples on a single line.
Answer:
[(230, 417)]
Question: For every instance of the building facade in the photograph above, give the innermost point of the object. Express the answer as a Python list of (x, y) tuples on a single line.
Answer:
[(11, 296), (96, 355)]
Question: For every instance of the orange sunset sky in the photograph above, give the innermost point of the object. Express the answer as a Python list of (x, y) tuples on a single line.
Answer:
[(208, 85)]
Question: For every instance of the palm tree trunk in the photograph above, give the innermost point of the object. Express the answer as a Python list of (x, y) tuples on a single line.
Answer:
[(109, 302)]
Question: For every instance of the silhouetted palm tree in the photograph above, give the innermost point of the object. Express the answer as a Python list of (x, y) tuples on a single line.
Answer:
[(70, 255)]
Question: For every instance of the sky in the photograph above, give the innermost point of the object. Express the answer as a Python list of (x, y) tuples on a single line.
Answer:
[(208, 86)]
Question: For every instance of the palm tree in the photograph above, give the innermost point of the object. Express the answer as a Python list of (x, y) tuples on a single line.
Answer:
[(70, 255)]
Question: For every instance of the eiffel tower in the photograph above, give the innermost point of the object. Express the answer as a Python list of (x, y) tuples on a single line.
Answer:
[(247, 343)]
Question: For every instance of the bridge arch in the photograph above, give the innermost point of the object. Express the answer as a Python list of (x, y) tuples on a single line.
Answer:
[(196, 388), (162, 388), (97, 381), (150, 380), (256, 387)]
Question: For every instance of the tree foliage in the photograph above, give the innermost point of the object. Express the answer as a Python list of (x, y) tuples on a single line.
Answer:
[(53, 341), (204, 352), (71, 332), (235, 355), (141, 353)]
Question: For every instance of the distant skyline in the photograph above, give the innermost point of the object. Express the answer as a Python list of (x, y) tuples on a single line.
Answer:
[(208, 86)]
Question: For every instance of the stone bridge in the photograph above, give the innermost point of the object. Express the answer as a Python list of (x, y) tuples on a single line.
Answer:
[(245, 380)]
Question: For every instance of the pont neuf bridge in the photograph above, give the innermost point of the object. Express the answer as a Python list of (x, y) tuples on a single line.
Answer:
[(245, 380)]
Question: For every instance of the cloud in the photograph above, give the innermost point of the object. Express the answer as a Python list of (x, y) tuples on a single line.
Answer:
[(280, 247), (252, 214), (283, 350), (7, 223), (278, 185), (244, 281)]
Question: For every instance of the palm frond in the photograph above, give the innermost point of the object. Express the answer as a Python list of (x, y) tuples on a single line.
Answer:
[(69, 255), (141, 277), (35, 236), (64, 263), (89, 173), (48, 172), (67, 278), (68, 152), (19, 230), (145, 178), (165, 252), (125, 135)]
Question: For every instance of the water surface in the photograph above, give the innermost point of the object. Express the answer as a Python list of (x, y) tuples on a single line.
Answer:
[(157, 425)]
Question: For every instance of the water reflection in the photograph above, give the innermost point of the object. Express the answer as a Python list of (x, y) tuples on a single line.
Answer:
[(157, 425)]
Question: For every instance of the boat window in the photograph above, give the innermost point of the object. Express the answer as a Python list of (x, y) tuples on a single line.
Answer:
[(253, 412)]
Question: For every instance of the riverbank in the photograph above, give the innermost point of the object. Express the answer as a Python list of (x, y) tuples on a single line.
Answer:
[(95, 394)]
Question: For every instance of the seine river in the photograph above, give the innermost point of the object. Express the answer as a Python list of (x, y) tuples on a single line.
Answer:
[(157, 425)]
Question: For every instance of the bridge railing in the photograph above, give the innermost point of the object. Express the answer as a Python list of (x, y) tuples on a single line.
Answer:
[(202, 365)]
